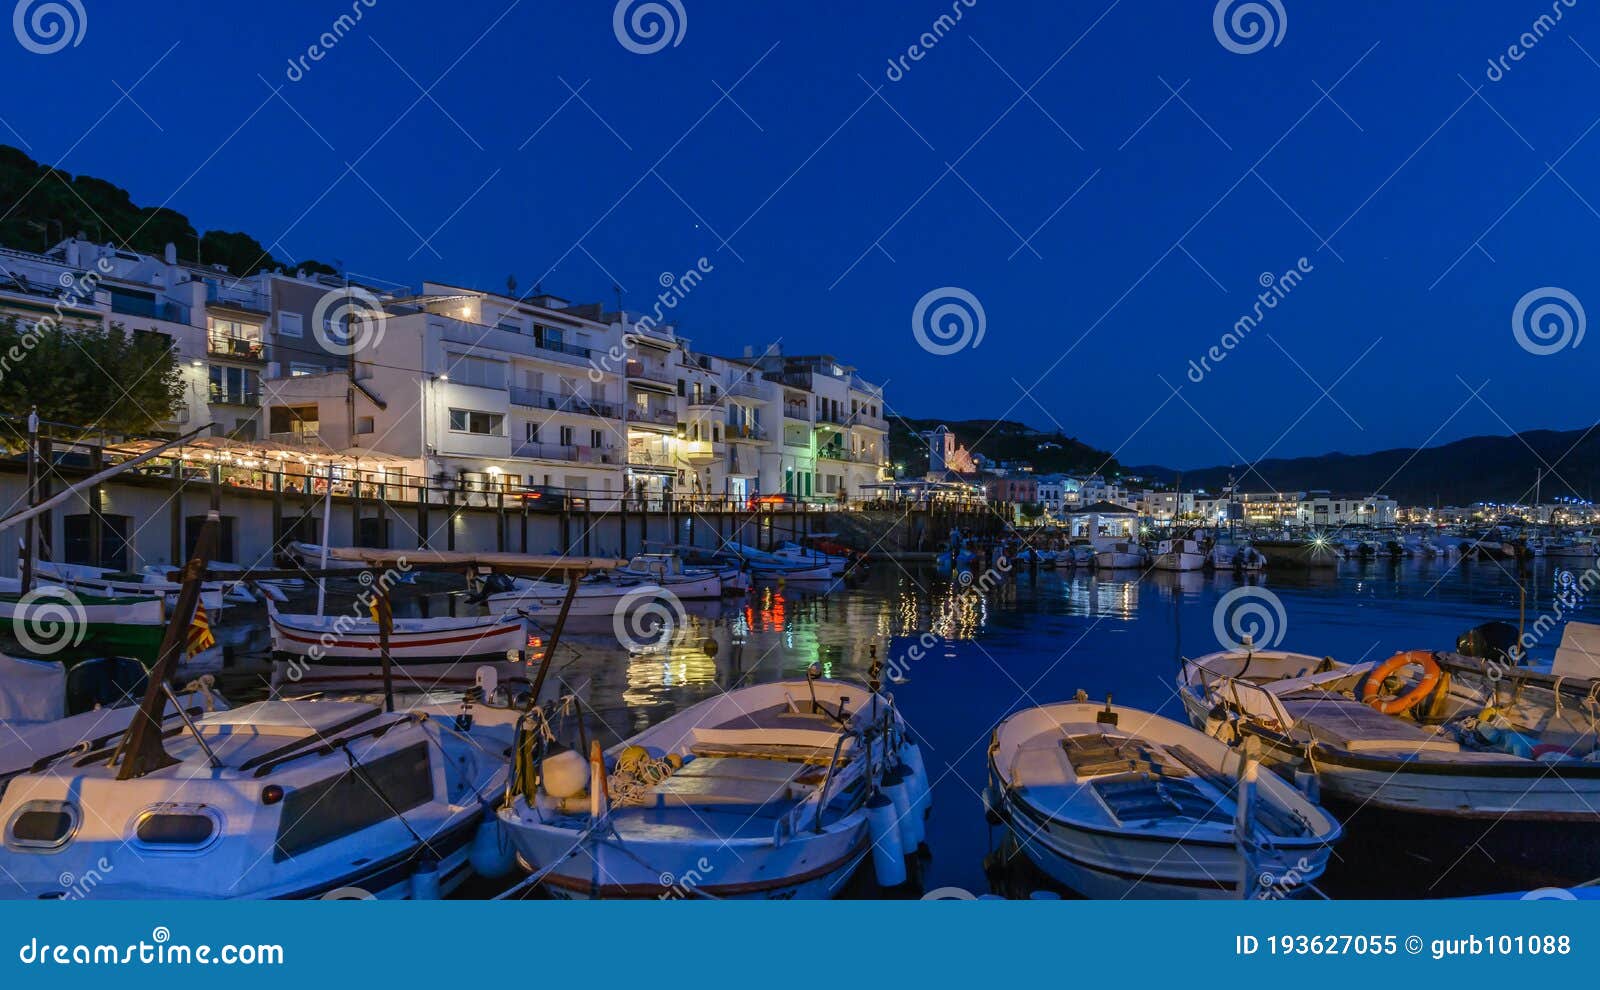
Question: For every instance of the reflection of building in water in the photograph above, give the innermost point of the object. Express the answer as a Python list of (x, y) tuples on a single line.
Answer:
[(1102, 598)]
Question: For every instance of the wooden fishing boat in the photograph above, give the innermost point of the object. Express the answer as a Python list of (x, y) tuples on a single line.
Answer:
[(598, 595), (1113, 802), (669, 572), (1121, 556), (278, 799), (1179, 555), (1465, 777), (52, 618), (343, 638), (773, 791), (105, 582)]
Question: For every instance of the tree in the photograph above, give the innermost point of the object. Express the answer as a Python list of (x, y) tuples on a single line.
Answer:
[(99, 377)]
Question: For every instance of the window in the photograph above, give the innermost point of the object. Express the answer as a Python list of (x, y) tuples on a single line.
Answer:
[(291, 324), (234, 386), (596, 438), (296, 369), (533, 432), (364, 424), (331, 809), (566, 436), (43, 825), (482, 423), (484, 372), (175, 829)]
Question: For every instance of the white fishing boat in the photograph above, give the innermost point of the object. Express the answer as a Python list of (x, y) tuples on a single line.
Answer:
[(310, 556), (348, 637), (1120, 556), (771, 566), (277, 799), (1179, 555), (669, 572), (1464, 772), (106, 582), (1113, 802), (812, 558), (597, 595), (773, 791)]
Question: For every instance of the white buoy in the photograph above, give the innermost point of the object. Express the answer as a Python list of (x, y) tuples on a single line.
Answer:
[(425, 881), (888, 856), (565, 774), (491, 853), (895, 787)]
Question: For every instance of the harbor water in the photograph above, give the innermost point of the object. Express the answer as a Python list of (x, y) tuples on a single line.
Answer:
[(971, 653)]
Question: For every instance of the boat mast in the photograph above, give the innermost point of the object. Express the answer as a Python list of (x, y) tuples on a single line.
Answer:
[(141, 751), (30, 534)]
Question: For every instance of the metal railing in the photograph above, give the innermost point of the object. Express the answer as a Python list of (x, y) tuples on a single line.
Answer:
[(565, 452), (648, 372), (556, 402), (233, 397), (235, 346), (750, 389), (661, 416), (797, 410), (238, 296)]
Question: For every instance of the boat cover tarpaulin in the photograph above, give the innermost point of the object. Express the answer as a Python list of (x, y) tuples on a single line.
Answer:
[(31, 690)]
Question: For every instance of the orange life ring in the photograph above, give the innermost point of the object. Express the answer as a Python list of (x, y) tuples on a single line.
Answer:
[(1430, 678)]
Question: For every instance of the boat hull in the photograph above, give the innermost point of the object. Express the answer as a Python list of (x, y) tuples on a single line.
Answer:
[(358, 640), (807, 866)]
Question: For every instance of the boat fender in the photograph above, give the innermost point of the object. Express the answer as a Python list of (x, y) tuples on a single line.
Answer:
[(991, 807), (425, 881), (888, 856), (894, 786), (566, 774), (491, 853)]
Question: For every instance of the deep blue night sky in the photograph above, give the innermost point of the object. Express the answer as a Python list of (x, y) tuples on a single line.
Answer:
[(1441, 209)]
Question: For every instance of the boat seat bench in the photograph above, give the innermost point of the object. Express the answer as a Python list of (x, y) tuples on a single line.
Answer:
[(1334, 720)]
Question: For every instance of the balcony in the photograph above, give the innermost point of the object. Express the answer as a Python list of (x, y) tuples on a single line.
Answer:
[(566, 452), (233, 397), (308, 437), (750, 389), (704, 451), (503, 339), (650, 373), (827, 417), (555, 402), (703, 400), (800, 379), (797, 410), (737, 431), (154, 309), (659, 416), (239, 297), (235, 348), (650, 458)]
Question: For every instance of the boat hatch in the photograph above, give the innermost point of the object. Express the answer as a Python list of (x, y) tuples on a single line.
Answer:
[(1097, 754), (1134, 800)]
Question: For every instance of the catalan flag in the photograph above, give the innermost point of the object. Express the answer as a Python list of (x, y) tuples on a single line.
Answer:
[(200, 638)]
